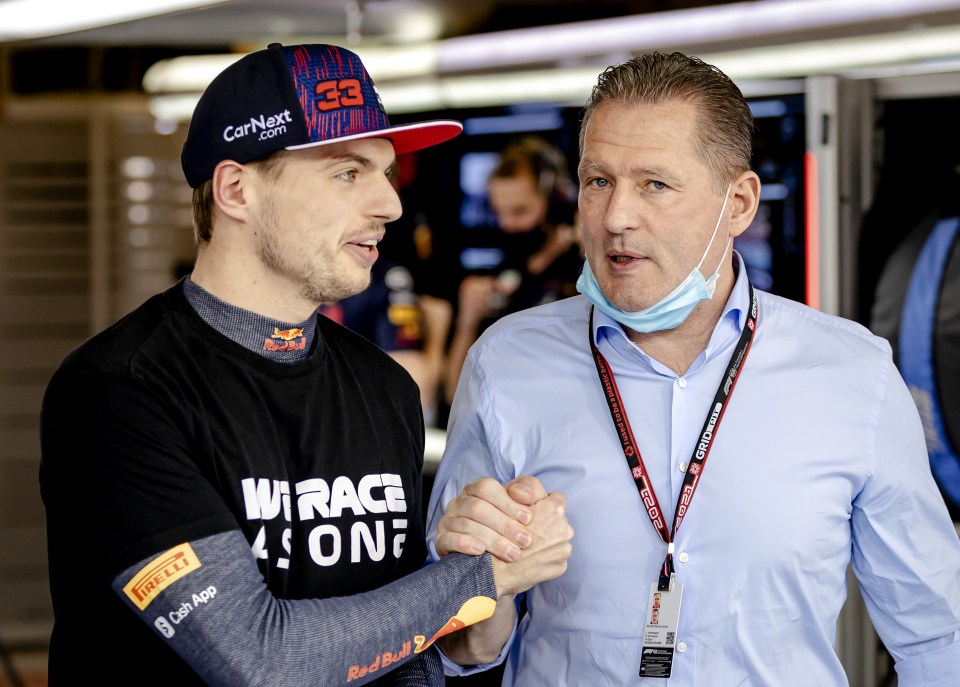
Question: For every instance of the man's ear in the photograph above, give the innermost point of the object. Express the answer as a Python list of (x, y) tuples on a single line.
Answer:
[(231, 192), (744, 201)]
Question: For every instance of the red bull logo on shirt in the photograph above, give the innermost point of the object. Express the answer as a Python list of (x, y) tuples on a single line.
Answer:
[(387, 658), (287, 334), (288, 337), (473, 610)]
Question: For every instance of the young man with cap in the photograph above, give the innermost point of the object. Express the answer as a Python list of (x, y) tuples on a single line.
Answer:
[(232, 484)]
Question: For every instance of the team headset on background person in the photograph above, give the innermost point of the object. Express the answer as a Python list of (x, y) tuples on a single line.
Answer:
[(548, 167)]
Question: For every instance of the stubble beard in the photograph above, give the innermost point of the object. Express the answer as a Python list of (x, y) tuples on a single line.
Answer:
[(627, 295), (314, 284), (624, 298), (620, 295)]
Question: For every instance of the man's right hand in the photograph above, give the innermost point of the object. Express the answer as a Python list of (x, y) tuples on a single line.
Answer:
[(527, 532), (546, 556), (524, 528)]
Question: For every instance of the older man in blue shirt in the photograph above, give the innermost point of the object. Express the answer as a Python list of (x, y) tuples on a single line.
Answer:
[(716, 444)]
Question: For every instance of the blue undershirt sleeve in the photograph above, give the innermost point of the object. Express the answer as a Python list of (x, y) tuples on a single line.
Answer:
[(209, 601)]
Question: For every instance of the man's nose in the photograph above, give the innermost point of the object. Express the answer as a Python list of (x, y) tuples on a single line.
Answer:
[(388, 207), (622, 212)]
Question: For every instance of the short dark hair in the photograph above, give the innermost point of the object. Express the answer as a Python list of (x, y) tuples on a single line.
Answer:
[(203, 204), (725, 131)]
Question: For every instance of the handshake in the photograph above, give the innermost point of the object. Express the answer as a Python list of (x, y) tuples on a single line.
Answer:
[(523, 527)]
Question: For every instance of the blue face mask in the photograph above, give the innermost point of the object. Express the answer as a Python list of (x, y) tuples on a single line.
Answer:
[(671, 311)]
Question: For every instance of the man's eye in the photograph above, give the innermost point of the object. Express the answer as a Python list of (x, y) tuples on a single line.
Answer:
[(598, 183), (658, 185), (348, 175)]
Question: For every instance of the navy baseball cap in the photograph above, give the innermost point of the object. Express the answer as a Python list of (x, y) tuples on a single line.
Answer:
[(293, 97)]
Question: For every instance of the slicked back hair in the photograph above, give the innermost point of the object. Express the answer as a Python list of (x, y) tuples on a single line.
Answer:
[(725, 124)]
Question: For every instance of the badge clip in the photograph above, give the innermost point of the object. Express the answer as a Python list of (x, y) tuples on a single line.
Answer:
[(666, 582)]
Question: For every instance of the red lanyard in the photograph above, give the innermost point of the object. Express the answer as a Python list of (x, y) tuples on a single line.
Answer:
[(700, 452)]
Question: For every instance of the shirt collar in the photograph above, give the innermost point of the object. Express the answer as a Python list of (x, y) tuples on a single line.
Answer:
[(729, 327)]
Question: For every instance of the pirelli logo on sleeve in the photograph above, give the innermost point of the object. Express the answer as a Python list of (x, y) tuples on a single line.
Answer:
[(160, 573)]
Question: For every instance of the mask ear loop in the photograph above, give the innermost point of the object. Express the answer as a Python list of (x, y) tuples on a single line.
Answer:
[(716, 226)]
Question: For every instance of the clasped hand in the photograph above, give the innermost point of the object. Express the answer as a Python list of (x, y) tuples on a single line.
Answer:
[(523, 526)]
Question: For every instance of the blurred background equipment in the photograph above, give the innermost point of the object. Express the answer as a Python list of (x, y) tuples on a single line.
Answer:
[(917, 309)]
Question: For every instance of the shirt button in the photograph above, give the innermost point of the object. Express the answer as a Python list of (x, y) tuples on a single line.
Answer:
[(683, 557), (681, 647), (682, 467), (682, 383)]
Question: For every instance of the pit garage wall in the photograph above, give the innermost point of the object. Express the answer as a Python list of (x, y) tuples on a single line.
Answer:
[(94, 217), (839, 179)]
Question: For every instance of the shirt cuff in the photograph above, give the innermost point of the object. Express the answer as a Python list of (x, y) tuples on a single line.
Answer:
[(456, 670), (487, 579), (937, 668)]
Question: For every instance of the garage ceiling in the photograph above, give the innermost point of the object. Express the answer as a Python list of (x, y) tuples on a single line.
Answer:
[(255, 22)]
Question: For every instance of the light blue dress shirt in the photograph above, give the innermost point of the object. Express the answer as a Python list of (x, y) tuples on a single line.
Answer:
[(819, 462)]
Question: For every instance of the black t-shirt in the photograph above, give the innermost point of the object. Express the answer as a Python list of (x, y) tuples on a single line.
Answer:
[(161, 430)]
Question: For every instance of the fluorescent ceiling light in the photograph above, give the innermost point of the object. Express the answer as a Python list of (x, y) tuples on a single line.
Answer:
[(401, 61), (411, 96), (926, 68), (427, 94), (548, 85), (720, 23), (194, 73), (418, 25), (758, 71), (22, 19), (429, 76), (605, 41), (177, 107), (839, 55)]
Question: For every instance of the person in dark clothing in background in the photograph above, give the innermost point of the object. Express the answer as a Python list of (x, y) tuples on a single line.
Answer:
[(534, 200)]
